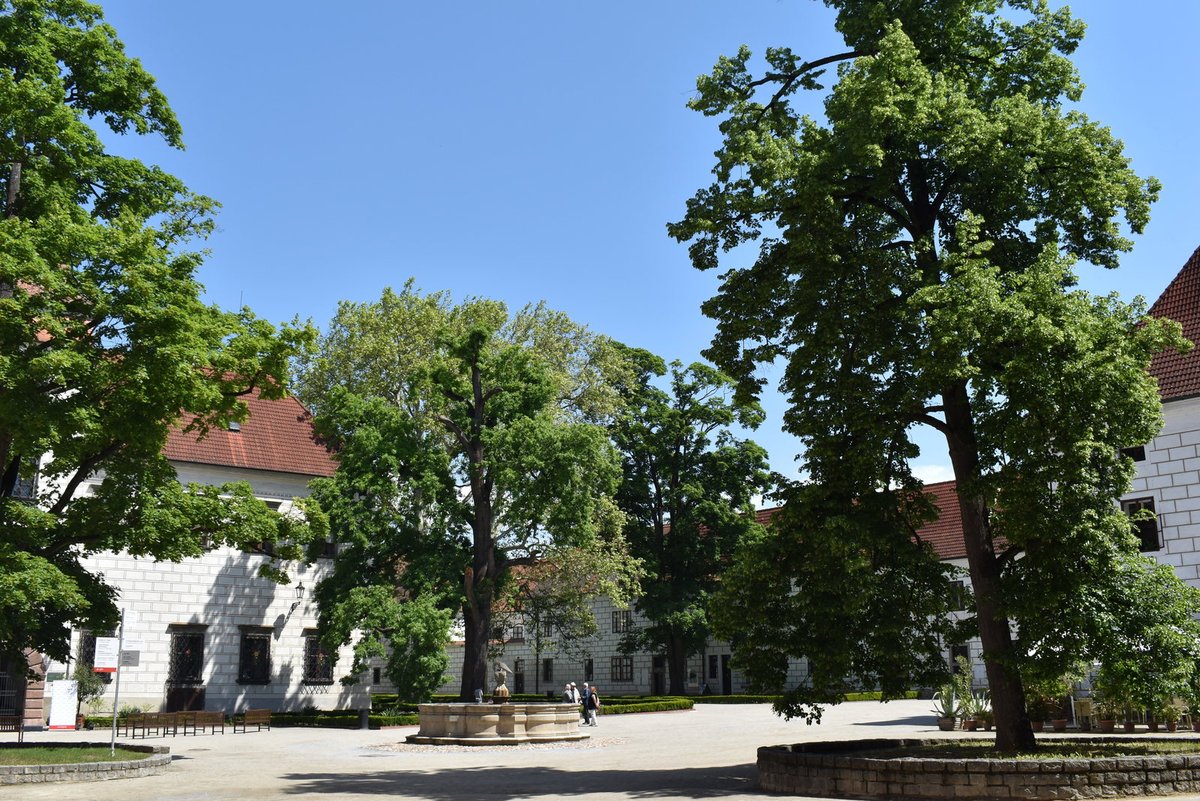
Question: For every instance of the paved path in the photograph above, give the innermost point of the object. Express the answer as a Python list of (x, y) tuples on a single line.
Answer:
[(705, 753)]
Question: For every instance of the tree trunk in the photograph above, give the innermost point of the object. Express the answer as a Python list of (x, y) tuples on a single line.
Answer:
[(1013, 732), (475, 650)]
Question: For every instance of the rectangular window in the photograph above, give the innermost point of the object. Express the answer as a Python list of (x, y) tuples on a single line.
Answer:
[(589, 673), (547, 629), (1146, 529), (375, 675), (960, 596), (1137, 454), (547, 670), (622, 668), (26, 488), (622, 621), (713, 666), (318, 666), (518, 634), (955, 652), (254, 659), (187, 655)]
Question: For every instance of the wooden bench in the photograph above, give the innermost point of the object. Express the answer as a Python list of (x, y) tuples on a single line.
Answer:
[(199, 720), (159, 723), (252, 717), (13, 723)]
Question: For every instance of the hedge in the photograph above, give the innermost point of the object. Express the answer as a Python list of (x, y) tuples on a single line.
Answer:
[(770, 699)]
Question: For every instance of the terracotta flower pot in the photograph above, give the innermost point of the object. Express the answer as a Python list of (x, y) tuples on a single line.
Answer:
[(1107, 726), (970, 724), (1172, 725), (1059, 724), (1130, 726), (1037, 725), (946, 724)]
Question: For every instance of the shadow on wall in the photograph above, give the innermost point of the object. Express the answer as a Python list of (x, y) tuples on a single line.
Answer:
[(254, 644)]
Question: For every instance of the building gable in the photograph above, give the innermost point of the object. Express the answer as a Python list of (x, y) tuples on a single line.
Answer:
[(277, 436)]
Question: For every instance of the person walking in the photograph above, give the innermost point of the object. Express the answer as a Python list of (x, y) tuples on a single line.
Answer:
[(591, 704), (568, 696)]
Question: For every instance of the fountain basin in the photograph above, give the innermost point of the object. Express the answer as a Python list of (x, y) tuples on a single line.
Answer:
[(497, 724)]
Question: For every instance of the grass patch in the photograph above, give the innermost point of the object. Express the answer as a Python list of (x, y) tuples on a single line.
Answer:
[(1058, 749), (42, 755)]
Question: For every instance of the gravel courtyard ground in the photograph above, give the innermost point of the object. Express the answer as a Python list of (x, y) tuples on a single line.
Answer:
[(708, 752)]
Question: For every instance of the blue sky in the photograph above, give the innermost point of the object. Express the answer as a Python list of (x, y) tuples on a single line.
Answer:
[(532, 151)]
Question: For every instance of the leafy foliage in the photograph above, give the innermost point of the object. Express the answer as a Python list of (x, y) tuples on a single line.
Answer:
[(687, 494), (104, 340), (469, 451), (916, 268)]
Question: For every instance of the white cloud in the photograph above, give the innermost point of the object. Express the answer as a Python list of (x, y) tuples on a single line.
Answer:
[(933, 473)]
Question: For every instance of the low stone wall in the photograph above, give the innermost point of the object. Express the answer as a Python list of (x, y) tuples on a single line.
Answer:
[(496, 724), (157, 763), (832, 769)]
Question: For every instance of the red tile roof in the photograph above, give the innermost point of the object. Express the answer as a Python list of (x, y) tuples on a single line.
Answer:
[(277, 436), (944, 534), (1179, 374)]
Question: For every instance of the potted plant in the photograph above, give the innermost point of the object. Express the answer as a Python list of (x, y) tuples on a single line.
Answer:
[(89, 687), (982, 707), (1168, 713), (966, 710), (1037, 709), (945, 707)]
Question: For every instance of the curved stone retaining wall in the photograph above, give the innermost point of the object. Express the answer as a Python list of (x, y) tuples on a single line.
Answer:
[(496, 724), (832, 769), (157, 763)]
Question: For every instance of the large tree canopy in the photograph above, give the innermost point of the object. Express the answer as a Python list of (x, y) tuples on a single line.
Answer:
[(104, 341), (687, 492), (471, 448), (916, 269)]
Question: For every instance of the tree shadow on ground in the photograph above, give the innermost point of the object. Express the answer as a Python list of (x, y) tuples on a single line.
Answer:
[(915, 720), (463, 784)]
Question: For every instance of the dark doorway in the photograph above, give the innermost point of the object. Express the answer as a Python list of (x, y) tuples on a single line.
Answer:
[(185, 699), (519, 676), (658, 676), (12, 687), (726, 676)]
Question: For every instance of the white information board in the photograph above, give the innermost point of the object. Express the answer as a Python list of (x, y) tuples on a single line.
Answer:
[(64, 700), (106, 655)]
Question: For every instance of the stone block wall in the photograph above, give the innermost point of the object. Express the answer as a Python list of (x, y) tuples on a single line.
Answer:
[(834, 770)]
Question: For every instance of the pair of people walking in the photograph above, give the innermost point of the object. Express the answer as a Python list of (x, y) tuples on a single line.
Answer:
[(588, 700)]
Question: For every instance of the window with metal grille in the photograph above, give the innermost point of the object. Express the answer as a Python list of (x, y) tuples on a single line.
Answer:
[(622, 668), (27, 485), (318, 665), (518, 634), (187, 656), (622, 621), (254, 660), (1146, 527)]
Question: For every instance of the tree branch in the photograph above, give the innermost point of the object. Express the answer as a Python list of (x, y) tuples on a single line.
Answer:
[(787, 79), (86, 468)]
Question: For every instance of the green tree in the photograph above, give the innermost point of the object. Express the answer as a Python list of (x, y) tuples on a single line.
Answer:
[(687, 494), (103, 337), (471, 448), (917, 270)]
